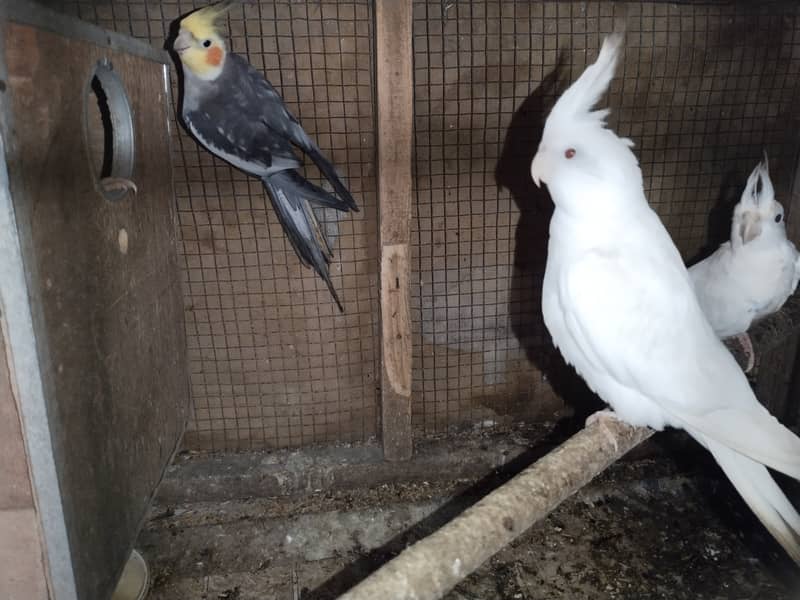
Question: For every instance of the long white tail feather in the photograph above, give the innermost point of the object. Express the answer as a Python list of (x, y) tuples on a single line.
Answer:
[(759, 490), (767, 442)]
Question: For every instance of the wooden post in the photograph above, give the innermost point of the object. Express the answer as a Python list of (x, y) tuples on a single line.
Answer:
[(395, 126)]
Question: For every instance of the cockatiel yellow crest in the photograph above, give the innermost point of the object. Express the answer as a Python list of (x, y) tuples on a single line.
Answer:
[(199, 44), (204, 22)]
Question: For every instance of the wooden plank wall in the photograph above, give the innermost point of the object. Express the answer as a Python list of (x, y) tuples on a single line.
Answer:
[(22, 572)]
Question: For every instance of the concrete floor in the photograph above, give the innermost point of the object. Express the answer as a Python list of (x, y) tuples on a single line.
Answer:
[(651, 527)]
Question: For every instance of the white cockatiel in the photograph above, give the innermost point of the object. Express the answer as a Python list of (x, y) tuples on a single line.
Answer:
[(753, 274), (619, 304)]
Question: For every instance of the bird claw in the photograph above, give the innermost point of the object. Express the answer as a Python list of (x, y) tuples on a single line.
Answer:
[(114, 184), (747, 348), (602, 418)]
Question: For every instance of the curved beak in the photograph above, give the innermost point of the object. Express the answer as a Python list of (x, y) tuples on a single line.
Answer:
[(183, 42), (750, 227), (539, 169)]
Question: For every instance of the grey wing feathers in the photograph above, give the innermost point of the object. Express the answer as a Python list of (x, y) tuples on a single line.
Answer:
[(237, 140), (300, 224), (276, 116), (229, 116)]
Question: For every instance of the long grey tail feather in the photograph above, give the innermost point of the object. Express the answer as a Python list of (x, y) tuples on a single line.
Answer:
[(313, 193), (330, 174), (328, 253), (321, 233), (300, 225), (758, 489)]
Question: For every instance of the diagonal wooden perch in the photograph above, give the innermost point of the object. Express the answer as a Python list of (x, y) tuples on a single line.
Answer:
[(433, 566)]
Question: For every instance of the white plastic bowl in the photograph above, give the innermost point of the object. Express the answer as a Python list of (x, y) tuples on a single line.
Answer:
[(135, 580)]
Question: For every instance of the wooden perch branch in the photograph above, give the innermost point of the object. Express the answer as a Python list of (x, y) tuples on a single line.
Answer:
[(433, 566)]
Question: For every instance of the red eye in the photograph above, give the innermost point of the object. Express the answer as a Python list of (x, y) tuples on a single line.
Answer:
[(569, 152)]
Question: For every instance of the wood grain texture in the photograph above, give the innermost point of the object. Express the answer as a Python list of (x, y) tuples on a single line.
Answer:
[(395, 85), (15, 485), (397, 318), (396, 335), (107, 314), (22, 573)]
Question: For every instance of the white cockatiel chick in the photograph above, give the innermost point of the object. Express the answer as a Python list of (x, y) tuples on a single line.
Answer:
[(619, 304), (753, 274)]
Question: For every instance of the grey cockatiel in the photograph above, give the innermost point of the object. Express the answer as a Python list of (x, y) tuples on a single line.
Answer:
[(619, 304), (754, 273), (237, 115)]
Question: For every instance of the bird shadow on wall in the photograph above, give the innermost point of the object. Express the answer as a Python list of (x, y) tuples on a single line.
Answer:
[(530, 254), (718, 226)]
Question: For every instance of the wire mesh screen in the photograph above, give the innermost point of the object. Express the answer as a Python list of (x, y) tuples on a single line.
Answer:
[(273, 363), (704, 88)]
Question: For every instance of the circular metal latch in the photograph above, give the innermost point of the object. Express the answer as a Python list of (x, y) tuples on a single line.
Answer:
[(108, 127)]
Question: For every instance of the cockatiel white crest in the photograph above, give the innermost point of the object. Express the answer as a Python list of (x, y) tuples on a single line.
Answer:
[(238, 116), (752, 275), (620, 306)]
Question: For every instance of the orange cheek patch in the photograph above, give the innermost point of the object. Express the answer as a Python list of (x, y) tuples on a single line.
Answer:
[(214, 56)]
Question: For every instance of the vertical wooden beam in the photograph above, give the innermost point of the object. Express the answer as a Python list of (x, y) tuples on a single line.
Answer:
[(395, 85)]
